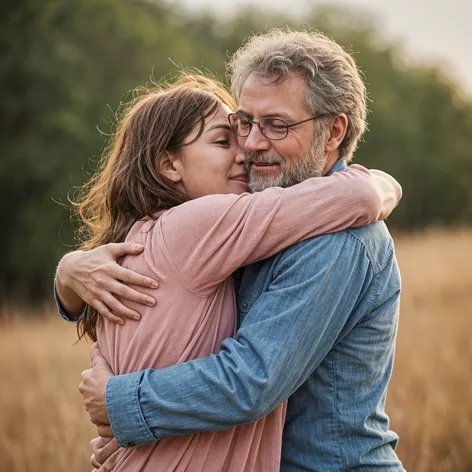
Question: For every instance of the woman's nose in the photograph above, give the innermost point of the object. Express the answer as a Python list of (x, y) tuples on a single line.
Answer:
[(239, 159)]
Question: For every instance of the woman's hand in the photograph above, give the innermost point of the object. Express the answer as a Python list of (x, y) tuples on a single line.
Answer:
[(95, 278)]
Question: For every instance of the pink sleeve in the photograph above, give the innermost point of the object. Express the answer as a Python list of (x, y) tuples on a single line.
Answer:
[(207, 239)]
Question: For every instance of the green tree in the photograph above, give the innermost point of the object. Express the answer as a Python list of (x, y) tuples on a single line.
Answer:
[(67, 64)]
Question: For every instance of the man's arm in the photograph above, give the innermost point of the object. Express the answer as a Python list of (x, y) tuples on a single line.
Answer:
[(284, 337)]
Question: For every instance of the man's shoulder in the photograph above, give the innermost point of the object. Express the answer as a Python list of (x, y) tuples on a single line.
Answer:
[(372, 243), (377, 242)]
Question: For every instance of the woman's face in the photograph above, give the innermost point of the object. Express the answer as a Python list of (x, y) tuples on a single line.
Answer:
[(214, 163)]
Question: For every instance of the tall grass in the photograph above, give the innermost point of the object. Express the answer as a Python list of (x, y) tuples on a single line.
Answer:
[(430, 396), (43, 426)]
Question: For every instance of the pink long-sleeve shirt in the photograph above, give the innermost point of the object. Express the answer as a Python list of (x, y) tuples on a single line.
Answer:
[(192, 250)]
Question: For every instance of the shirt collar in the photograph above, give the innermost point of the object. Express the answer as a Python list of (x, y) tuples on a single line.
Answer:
[(339, 166)]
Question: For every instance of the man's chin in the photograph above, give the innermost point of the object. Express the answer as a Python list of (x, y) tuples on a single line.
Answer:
[(259, 184)]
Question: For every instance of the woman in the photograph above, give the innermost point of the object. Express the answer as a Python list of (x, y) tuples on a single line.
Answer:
[(173, 180)]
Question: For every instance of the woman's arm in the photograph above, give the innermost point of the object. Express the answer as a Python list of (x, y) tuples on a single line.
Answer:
[(209, 238), (353, 197), (66, 297)]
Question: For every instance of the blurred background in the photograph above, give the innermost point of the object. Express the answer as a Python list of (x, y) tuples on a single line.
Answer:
[(65, 67)]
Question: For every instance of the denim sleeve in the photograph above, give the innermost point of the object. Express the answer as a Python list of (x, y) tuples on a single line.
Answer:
[(122, 401), (282, 340), (62, 311)]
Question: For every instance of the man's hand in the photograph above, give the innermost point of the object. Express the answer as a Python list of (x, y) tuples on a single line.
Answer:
[(94, 277), (93, 388)]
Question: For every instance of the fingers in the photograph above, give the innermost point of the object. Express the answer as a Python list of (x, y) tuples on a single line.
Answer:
[(98, 443), (83, 388), (109, 284), (94, 352), (104, 453), (111, 462), (128, 293), (96, 358), (83, 375), (122, 249), (105, 431), (105, 283), (106, 312), (102, 450), (134, 278), (104, 274), (94, 463), (117, 308)]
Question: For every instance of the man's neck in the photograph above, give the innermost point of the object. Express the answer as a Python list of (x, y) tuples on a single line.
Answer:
[(331, 160), (338, 166)]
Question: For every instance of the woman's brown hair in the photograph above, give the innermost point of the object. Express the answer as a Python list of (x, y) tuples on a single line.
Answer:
[(128, 185)]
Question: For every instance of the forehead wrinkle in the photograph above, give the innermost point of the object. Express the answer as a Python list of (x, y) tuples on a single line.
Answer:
[(282, 99), (277, 114), (271, 114)]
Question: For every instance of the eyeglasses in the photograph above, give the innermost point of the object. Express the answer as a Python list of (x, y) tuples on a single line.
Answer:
[(271, 127)]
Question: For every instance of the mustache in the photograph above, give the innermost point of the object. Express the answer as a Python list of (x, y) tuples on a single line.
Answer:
[(261, 157)]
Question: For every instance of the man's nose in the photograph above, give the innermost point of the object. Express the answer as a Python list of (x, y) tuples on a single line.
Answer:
[(256, 141)]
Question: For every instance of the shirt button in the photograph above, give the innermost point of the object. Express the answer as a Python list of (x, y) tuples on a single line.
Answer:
[(131, 444), (244, 305)]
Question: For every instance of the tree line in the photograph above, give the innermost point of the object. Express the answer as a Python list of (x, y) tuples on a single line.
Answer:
[(68, 64)]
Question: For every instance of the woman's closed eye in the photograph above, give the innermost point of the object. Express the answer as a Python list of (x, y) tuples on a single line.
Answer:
[(223, 142)]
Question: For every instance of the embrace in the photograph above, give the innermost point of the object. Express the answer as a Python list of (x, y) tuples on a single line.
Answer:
[(258, 283)]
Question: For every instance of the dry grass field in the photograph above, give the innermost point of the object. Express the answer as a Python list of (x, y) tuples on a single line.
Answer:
[(44, 428)]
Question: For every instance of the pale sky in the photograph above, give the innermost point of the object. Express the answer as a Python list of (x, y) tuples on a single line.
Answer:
[(431, 31)]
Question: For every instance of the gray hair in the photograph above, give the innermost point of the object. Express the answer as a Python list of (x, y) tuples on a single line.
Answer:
[(333, 79)]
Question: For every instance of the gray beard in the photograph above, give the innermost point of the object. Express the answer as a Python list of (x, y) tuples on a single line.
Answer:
[(307, 166)]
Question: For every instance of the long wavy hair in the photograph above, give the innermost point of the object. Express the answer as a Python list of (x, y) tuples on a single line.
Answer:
[(127, 185)]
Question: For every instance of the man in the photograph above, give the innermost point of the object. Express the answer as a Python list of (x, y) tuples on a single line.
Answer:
[(317, 321)]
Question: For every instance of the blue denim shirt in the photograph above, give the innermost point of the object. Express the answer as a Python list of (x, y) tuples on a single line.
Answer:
[(318, 326)]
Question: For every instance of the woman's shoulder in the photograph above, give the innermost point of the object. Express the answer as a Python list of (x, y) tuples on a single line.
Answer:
[(139, 230)]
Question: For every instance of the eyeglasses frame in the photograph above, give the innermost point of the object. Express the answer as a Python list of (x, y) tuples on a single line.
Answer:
[(251, 122)]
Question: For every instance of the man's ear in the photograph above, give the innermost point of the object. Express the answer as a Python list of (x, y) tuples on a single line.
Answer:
[(169, 166), (336, 132)]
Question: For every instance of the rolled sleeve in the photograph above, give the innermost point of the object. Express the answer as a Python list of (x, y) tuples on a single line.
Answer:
[(124, 411), (62, 311)]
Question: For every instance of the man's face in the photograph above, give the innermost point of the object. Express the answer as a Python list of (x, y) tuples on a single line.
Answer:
[(285, 162)]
